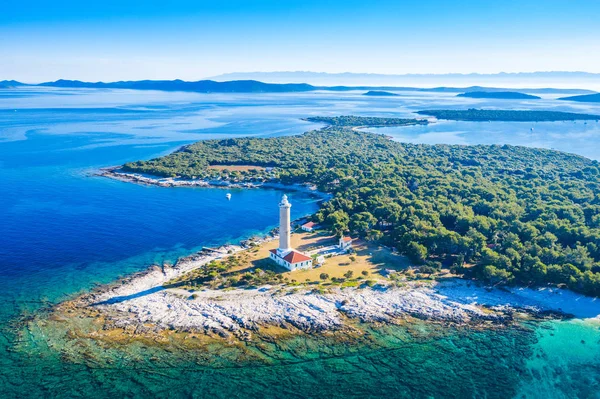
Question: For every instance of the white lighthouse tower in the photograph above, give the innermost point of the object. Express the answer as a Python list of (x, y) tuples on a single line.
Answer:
[(285, 255), (284, 227)]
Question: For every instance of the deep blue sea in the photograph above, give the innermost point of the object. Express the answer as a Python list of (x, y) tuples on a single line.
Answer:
[(63, 229)]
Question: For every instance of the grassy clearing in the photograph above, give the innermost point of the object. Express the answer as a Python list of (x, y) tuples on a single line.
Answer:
[(253, 267), (368, 258)]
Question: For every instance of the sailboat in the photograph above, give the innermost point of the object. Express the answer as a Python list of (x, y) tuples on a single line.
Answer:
[(228, 196)]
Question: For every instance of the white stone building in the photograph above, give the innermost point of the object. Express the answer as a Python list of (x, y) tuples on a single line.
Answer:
[(345, 243), (285, 255), (310, 226)]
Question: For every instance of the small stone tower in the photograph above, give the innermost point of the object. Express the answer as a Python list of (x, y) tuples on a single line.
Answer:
[(284, 226)]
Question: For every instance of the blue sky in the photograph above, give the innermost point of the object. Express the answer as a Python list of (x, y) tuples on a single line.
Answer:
[(112, 40)]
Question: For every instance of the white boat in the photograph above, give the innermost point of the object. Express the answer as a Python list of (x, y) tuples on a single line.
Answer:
[(228, 196)]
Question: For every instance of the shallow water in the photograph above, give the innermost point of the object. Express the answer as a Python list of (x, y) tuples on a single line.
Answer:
[(64, 230), (582, 138), (394, 361), (416, 360)]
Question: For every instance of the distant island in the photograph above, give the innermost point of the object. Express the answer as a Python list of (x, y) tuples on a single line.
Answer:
[(202, 86), (588, 98), (504, 95), (370, 121), (7, 84), (503, 79), (254, 86), (481, 115), (377, 93)]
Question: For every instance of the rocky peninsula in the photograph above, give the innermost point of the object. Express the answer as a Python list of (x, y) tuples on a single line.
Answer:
[(117, 173), (339, 160), (143, 304)]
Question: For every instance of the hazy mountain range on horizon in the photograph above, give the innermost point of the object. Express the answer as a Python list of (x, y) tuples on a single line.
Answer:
[(253, 86), (555, 79)]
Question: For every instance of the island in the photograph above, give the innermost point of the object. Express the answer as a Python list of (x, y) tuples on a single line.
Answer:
[(503, 95), (485, 115), (201, 86), (379, 93), (365, 121), (435, 238), (10, 84), (255, 86), (587, 98), (503, 214)]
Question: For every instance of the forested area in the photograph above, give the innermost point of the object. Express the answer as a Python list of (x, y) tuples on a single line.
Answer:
[(348, 120), (483, 115), (506, 214)]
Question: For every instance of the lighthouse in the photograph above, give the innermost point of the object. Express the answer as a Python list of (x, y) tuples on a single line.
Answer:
[(285, 255), (284, 226)]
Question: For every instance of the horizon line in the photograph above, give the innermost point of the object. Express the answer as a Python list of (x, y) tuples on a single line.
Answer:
[(413, 73), (208, 78)]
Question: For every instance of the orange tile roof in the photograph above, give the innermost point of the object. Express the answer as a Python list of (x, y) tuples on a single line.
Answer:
[(295, 257), (346, 238), (309, 224)]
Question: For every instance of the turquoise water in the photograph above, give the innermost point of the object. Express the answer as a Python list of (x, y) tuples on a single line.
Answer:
[(565, 362), (63, 229)]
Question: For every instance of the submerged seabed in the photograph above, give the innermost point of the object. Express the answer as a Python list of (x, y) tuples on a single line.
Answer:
[(417, 359)]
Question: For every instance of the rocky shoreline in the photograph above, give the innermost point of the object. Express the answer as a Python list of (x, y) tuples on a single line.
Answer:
[(141, 304), (117, 173)]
